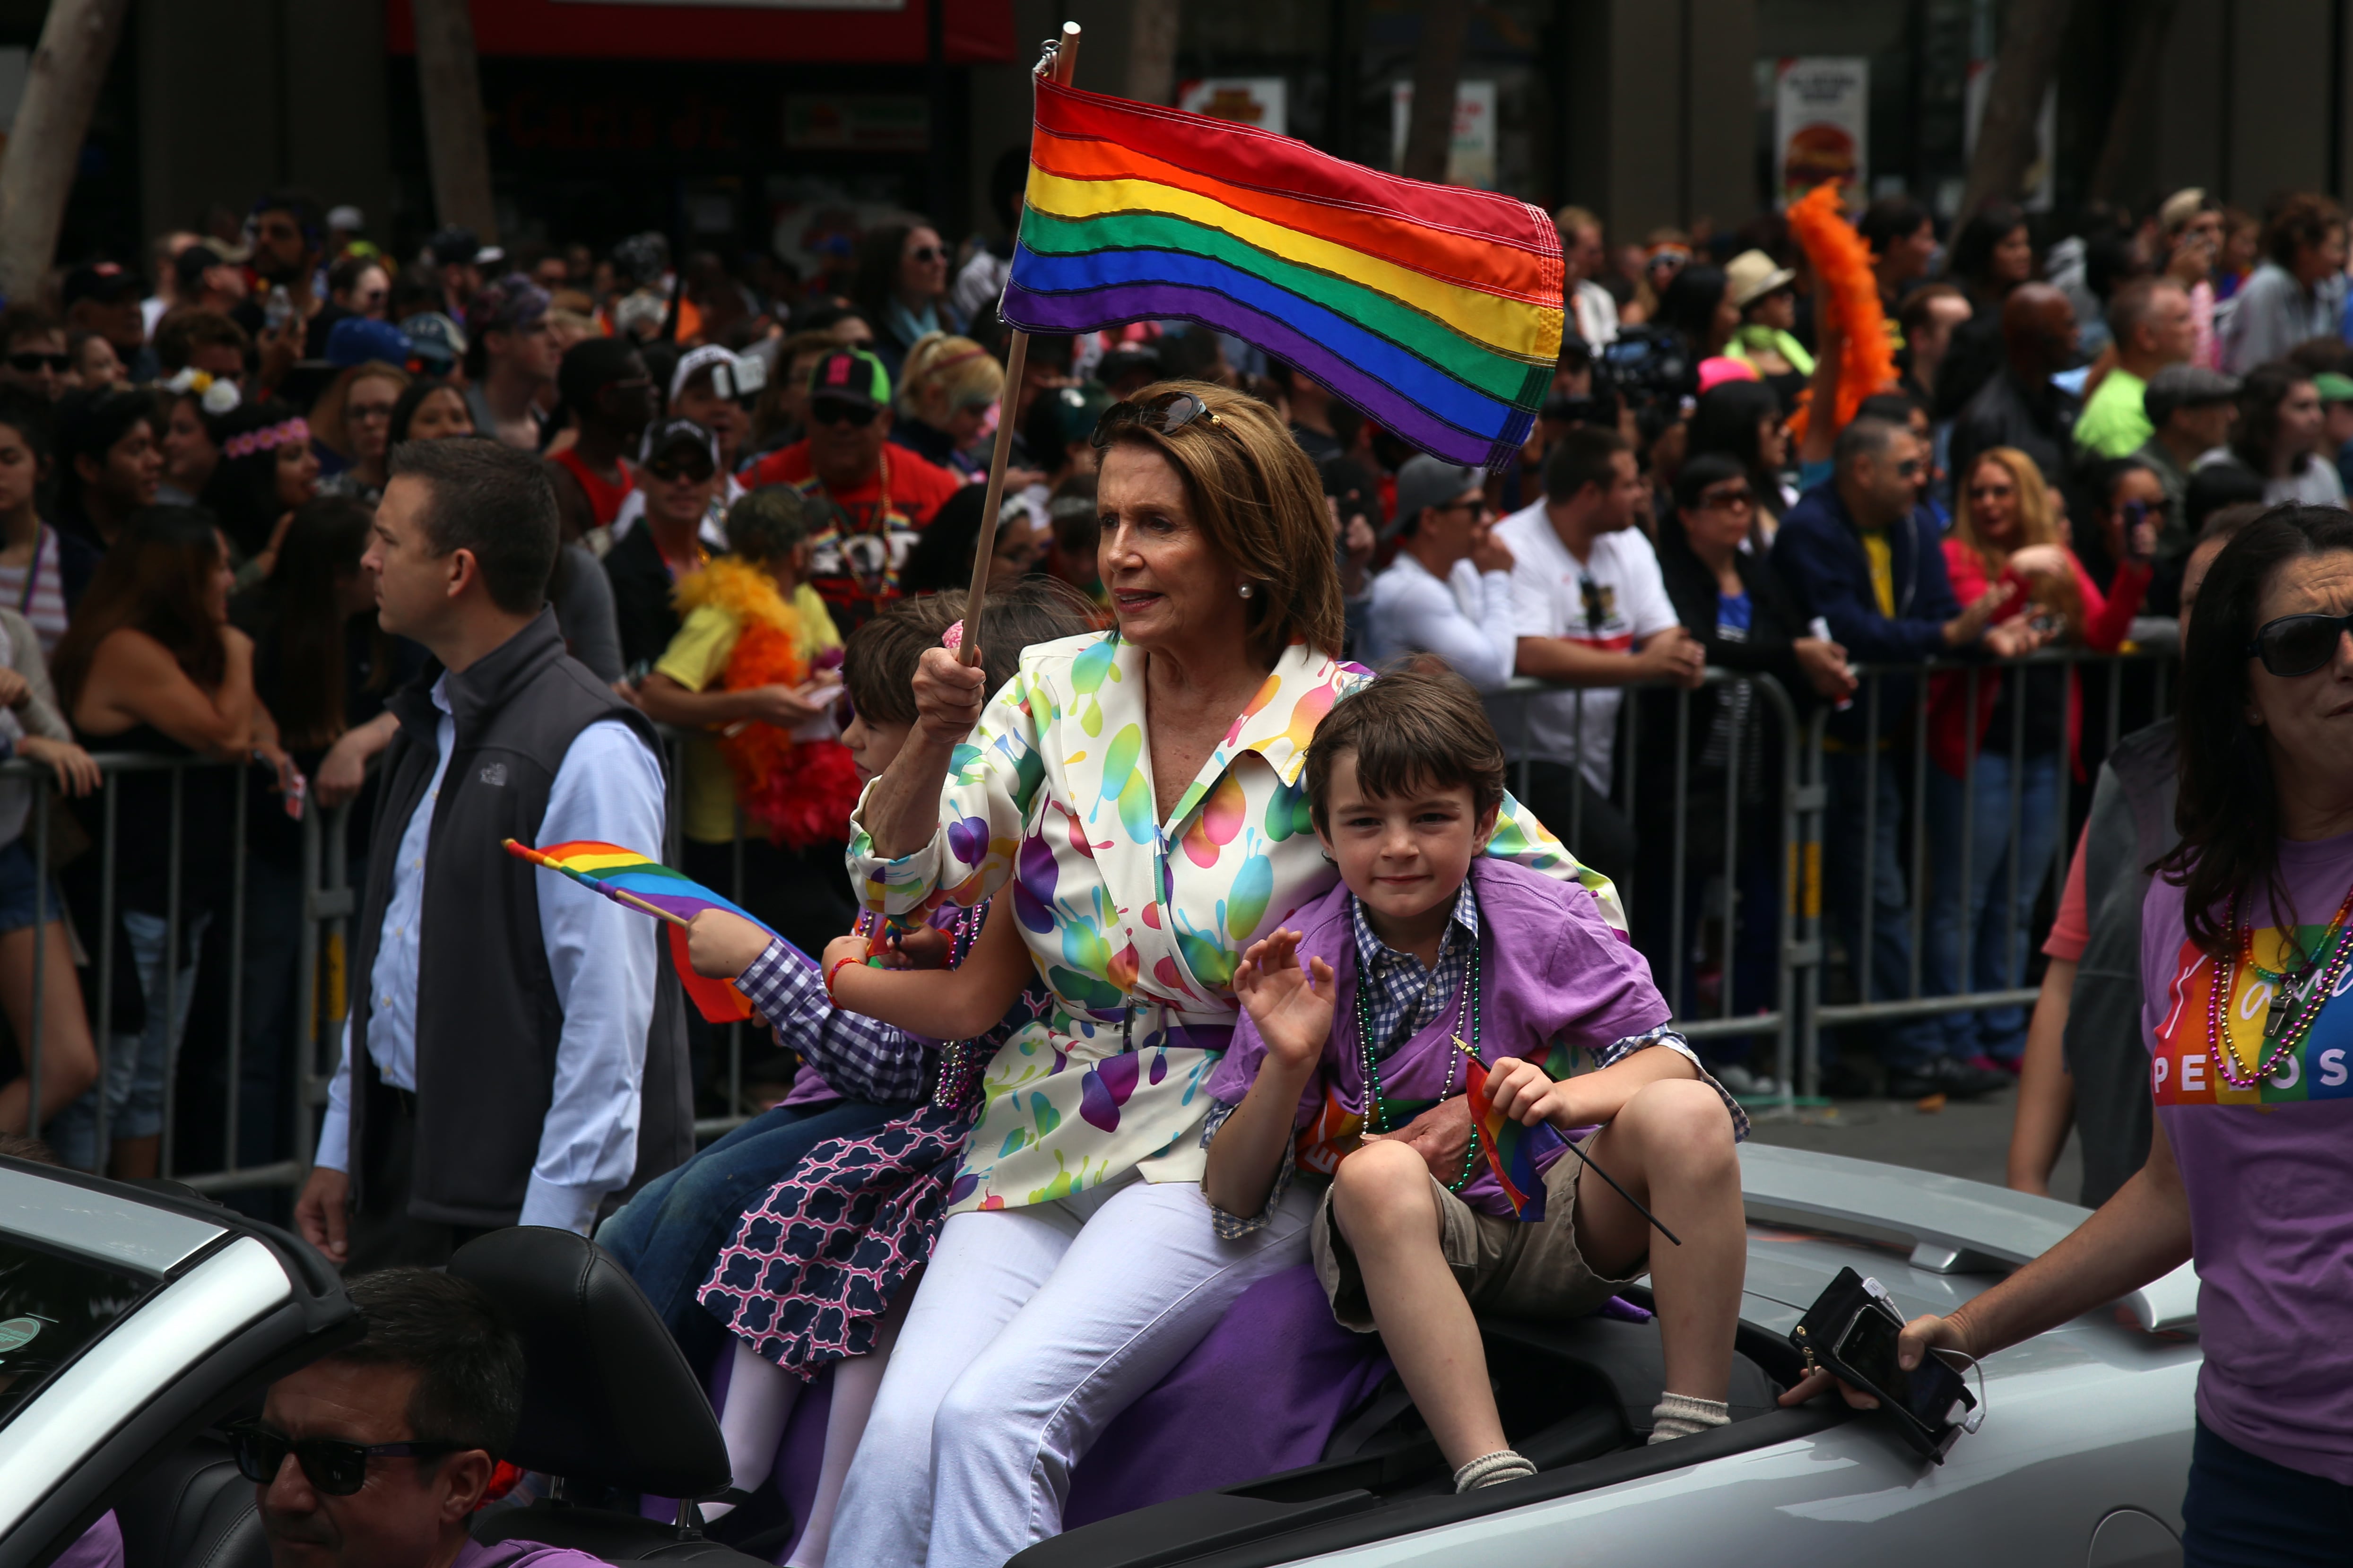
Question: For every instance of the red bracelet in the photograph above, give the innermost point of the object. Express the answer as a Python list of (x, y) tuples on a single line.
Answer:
[(838, 966)]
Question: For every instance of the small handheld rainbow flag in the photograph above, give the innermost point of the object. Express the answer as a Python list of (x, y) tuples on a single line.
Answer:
[(650, 888), (1513, 1148)]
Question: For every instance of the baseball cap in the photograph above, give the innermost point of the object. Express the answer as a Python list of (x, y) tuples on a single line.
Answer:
[(851, 376), (2334, 387), (1751, 275), (1427, 482), (1715, 371), (513, 301), (454, 245), (2185, 386), (356, 340), (666, 434), (346, 217), (733, 375), (102, 280), (434, 341)]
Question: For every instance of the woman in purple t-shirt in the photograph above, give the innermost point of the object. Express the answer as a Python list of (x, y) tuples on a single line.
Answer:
[(2246, 951)]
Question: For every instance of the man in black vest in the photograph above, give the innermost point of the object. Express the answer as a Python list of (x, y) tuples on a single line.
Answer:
[(516, 1050)]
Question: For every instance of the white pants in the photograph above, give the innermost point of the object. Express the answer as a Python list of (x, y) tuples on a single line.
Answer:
[(1033, 1328)]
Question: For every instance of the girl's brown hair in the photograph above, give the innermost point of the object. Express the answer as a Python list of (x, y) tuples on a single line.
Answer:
[(2038, 524), (878, 663), (157, 580), (1260, 503)]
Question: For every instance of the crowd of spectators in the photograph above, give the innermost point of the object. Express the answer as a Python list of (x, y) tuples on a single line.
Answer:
[(190, 461)]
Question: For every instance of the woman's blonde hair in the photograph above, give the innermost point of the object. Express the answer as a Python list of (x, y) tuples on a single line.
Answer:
[(327, 415), (959, 372), (1257, 498), (2038, 524)]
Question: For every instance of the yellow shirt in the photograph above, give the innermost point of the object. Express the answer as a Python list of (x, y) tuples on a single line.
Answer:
[(697, 658), (1882, 570)]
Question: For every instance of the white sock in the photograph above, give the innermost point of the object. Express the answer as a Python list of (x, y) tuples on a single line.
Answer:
[(760, 1399), (1680, 1416), (855, 1381), (1489, 1470)]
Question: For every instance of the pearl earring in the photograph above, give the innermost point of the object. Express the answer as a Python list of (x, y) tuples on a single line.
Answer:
[(1246, 590)]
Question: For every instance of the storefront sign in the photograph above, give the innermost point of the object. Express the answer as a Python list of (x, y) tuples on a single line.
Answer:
[(856, 122), (1257, 101), (1822, 124), (1471, 161)]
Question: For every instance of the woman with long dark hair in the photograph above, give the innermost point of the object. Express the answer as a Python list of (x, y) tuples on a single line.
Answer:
[(322, 667), (1993, 254), (2246, 938), (901, 285), (151, 664), (2281, 431), (267, 470), (1698, 308), (1742, 420)]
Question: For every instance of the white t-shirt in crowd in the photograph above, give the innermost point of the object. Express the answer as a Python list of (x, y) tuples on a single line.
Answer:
[(1610, 602), (1596, 313), (1465, 617)]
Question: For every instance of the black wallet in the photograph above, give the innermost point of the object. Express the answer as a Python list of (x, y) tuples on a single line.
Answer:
[(1824, 1328)]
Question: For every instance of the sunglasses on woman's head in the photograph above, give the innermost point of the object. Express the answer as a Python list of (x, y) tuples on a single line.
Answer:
[(336, 1468), (2298, 644), (1171, 411)]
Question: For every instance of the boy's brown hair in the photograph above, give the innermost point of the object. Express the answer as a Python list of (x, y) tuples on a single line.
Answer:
[(878, 663), (1417, 727)]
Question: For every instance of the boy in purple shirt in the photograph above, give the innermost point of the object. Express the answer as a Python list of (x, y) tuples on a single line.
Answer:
[(1428, 950)]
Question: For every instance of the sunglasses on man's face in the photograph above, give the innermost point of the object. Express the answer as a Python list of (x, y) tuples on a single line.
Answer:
[(334, 1466), (826, 411), (34, 363), (2298, 644), (674, 470), (1909, 468)]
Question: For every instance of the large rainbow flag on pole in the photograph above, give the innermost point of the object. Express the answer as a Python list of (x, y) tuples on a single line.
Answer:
[(1435, 309)]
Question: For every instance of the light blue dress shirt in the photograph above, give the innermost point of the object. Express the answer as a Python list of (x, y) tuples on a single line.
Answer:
[(600, 955)]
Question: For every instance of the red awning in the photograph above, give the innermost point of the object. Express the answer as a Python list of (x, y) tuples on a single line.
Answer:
[(977, 32)]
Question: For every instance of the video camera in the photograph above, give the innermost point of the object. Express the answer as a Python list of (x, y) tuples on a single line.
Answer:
[(1645, 368)]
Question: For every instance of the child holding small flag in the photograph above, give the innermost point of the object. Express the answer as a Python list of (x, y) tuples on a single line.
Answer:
[(1434, 971)]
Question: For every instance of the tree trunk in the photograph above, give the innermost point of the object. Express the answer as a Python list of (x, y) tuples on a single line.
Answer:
[(2030, 33), (456, 147), (1437, 73), (36, 173), (2129, 120), (1152, 51)]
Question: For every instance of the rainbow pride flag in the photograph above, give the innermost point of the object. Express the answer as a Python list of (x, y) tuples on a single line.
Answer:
[(631, 880), (1435, 309), (1512, 1147)]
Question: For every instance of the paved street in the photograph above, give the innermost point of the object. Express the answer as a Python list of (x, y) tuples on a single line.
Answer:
[(1962, 1139)]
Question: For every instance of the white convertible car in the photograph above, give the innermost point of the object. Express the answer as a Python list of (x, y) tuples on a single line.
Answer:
[(133, 1320)]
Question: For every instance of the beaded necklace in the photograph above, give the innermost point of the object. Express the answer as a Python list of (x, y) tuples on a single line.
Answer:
[(2304, 989), (1466, 1021)]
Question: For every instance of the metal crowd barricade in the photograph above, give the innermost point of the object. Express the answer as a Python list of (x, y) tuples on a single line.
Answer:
[(2151, 669), (309, 1057), (1767, 719)]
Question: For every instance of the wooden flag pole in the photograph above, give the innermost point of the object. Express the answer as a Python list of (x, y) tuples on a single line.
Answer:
[(1062, 59)]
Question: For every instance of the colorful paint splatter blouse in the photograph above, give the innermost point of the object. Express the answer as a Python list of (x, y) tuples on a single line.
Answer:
[(1135, 925)]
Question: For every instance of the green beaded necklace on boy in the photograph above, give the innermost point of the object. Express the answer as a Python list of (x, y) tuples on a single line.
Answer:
[(1466, 1021)]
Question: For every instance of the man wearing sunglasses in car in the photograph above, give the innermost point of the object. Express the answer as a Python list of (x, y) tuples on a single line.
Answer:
[(883, 495), (378, 1455)]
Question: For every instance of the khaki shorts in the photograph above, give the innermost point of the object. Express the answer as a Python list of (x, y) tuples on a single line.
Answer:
[(1505, 1266)]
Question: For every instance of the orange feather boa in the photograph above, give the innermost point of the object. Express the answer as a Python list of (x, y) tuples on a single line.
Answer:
[(1847, 300), (798, 793)]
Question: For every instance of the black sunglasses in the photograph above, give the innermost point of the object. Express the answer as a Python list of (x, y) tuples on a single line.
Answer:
[(670, 470), (928, 253), (336, 1468), (1743, 498), (826, 411), (30, 362), (1172, 411), (2298, 644)]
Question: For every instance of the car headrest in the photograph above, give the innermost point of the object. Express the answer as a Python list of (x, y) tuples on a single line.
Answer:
[(607, 1399)]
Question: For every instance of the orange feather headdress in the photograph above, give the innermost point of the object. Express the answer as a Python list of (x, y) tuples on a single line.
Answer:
[(1847, 300)]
